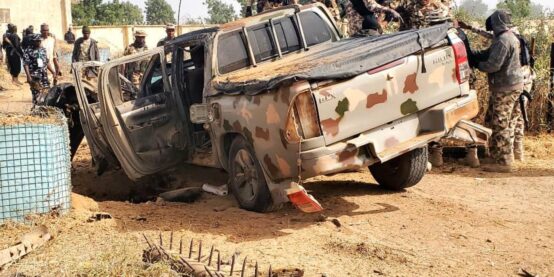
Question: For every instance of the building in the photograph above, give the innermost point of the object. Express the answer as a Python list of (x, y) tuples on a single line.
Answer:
[(22, 13)]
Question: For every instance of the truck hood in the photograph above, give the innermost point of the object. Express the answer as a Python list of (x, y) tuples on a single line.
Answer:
[(337, 60)]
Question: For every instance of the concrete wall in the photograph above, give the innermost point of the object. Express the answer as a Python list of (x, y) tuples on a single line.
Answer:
[(117, 38), (56, 13)]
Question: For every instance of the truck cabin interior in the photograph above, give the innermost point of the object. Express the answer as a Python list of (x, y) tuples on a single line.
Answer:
[(193, 87)]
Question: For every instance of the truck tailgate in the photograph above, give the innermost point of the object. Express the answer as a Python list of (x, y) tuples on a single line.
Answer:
[(387, 93)]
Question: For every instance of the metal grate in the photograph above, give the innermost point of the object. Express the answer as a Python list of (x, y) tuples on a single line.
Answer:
[(35, 169)]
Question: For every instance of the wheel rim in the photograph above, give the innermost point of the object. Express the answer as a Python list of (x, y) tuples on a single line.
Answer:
[(245, 175)]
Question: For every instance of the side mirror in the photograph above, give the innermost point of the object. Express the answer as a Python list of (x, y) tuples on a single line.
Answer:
[(201, 114)]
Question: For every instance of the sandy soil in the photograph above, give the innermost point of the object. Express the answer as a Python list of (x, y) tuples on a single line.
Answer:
[(456, 222)]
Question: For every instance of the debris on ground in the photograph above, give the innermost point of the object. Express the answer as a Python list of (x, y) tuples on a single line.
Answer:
[(524, 273), (199, 263), (28, 243), (187, 195), (302, 200), (336, 222), (99, 216), (222, 190)]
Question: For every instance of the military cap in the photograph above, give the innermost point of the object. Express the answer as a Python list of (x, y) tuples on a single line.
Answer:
[(86, 29), (140, 33), (170, 26)]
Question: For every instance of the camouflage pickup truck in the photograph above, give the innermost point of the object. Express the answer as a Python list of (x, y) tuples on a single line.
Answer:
[(280, 97)]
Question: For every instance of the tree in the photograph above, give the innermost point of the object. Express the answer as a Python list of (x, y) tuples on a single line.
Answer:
[(537, 10), (84, 13), (93, 12), (159, 12), (474, 8), (519, 8), (219, 12)]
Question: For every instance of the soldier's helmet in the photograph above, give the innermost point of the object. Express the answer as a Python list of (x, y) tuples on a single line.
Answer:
[(437, 16)]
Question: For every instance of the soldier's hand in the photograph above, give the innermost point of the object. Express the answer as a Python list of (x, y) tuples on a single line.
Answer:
[(463, 25), (396, 15)]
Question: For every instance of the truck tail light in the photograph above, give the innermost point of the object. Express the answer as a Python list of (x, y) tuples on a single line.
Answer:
[(302, 121), (463, 70)]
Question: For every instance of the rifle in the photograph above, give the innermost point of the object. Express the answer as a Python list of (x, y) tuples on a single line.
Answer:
[(527, 96)]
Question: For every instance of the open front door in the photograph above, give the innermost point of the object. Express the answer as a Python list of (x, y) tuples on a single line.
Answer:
[(139, 113), (86, 83)]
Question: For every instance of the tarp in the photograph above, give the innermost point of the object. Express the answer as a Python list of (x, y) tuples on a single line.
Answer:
[(337, 60)]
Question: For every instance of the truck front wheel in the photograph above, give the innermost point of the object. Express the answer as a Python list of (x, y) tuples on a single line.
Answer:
[(246, 180), (403, 171)]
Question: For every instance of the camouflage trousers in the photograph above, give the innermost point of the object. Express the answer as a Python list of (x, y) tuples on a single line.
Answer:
[(519, 133), (505, 114), (519, 129)]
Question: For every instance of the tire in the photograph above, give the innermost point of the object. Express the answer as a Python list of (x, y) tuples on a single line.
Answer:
[(246, 178), (401, 172)]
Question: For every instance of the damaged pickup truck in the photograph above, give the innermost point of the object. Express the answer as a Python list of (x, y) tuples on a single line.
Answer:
[(280, 97)]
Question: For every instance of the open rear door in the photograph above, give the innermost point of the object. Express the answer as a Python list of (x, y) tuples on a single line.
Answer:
[(86, 83), (139, 113)]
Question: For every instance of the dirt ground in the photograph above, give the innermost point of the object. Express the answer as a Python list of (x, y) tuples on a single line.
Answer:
[(456, 222)]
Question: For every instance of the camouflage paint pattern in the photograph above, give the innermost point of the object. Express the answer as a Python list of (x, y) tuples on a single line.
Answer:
[(505, 115), (371, 97)]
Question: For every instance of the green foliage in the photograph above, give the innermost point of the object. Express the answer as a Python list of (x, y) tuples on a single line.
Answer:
[(519, 8), (93, 12), (84, 13), (219, 12), (159, 12), (474, 8)]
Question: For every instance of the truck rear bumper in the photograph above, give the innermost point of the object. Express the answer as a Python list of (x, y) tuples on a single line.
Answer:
[(395, 138)]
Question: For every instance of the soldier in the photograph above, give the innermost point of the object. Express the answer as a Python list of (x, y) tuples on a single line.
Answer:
[(85, 48), (333, 8), (69, 37), (419, 14), (528, 80), (35, 60), (361, 16), (26, 40), (264, 5), (49, 43), (135, 70), (506, 85), (12, 44), (170, 31)]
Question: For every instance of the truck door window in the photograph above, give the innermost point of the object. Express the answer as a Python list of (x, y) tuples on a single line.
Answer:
[(287, 34), (137, 79), (262, 42), (315, 29), (231, 52), (231, 49)]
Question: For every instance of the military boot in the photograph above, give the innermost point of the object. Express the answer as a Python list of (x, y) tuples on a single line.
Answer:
[(472, 159), (519, 152), (435, 155), (498, 168)]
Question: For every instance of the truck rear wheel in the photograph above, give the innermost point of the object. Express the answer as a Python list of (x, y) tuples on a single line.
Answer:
[(403, 171), (247, 181)]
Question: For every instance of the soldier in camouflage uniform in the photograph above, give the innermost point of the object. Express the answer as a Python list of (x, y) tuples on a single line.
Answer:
[(361, 16), (419, 14), (528, 80), (264, 5), (36, 64), (135, 70), (506, 85)]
